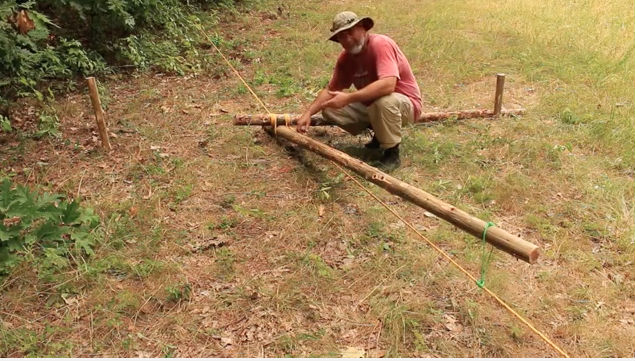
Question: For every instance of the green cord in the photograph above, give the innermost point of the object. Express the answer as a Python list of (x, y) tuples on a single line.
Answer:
[(485, 259)]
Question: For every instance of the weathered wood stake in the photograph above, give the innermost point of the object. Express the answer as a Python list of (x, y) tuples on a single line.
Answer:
[(264, 119), (99, 113), (498, 97), (496, 236)]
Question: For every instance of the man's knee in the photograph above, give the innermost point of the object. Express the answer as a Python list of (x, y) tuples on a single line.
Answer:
[(330, 114), (388, 103), (346, 118)]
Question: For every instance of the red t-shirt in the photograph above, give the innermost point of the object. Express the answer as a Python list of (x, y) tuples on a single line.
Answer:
[(380, 58)]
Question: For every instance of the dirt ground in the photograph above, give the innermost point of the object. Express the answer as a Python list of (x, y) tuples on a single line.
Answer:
[(222, 242)]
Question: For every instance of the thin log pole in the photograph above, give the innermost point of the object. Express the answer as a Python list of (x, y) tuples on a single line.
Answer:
[(281, 119), (498, 237), (292, 119), (99, 113), (498, 97)]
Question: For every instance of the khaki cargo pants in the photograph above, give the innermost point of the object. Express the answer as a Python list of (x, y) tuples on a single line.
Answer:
[(385, 115)]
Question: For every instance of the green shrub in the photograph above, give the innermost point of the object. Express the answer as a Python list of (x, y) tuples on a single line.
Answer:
[(90, 37), (46, 224), (5, 124)]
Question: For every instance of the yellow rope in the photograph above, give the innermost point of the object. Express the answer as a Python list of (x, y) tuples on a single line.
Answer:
[(274, 121), (234, 69), (446, 256)]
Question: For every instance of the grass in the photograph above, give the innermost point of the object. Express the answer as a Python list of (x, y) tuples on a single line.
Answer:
[(311, 265)]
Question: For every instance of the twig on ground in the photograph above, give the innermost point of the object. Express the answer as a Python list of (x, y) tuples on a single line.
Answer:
[(16, 316), (376, 287), (79, 187), (134, 322)]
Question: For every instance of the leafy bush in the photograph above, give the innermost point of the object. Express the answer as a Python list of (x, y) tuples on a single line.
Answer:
[(45, 224), (71, 38), (28, 59), (5, 124)]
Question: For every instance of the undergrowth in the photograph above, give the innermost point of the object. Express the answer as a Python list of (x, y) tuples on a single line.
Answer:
[(46, 46), (46, 225)]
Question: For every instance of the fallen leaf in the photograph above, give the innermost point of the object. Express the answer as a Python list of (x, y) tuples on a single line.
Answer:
[(429, 215), (353, 352), (10, 222), (70, 299), (320, 210), (451, 324), (226, 341), (23, 22)]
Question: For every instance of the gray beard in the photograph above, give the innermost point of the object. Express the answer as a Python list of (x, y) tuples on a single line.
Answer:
[(358, 47)]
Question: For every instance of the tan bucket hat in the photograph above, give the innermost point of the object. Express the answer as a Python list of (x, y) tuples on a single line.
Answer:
[(346, 20)]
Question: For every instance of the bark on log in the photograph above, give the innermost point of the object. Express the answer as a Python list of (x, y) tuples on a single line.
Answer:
[(265, 119), (496, 236)]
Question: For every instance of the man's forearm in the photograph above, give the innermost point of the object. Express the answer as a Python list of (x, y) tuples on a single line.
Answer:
[(316, 106), (374, 90)]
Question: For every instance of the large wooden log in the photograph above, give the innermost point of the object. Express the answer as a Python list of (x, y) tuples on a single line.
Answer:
[(292, 119), (496, 236)]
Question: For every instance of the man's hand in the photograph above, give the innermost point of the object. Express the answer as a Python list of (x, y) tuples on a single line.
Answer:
[(338, 100), (303, 123)]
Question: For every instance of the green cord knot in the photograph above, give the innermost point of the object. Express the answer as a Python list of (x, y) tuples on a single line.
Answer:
[(485, 259)]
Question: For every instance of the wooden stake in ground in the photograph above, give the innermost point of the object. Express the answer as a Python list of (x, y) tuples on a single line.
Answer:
[(99, 113), (496, 236), (292, 119), (498, 97)]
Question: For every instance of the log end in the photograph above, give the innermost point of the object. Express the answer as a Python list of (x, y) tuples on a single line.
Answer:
[(533, 255)]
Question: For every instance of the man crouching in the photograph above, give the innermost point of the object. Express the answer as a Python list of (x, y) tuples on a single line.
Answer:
[(386, 97)]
